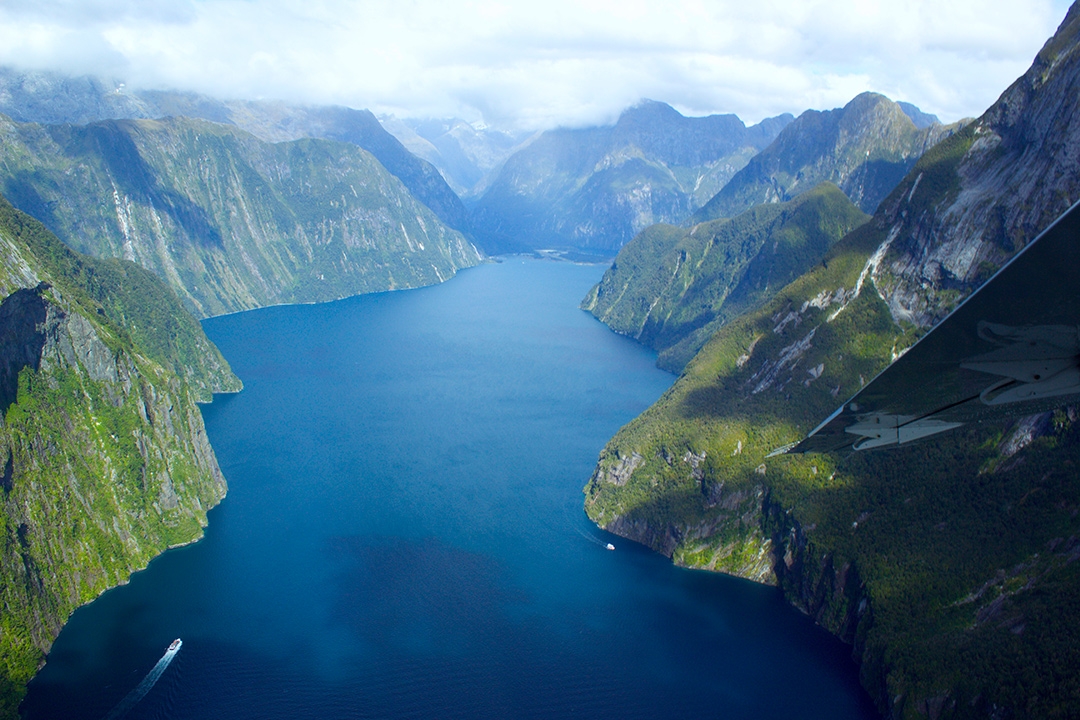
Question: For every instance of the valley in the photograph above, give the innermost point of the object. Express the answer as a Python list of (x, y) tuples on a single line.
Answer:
[(768, 270)]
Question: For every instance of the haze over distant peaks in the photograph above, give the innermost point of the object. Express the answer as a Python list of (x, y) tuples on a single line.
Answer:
[(595, 188), (921, 119), (52, 98), (465, 153)]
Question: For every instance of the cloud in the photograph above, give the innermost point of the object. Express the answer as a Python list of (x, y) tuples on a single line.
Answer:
[(536, 65), (82, 13)]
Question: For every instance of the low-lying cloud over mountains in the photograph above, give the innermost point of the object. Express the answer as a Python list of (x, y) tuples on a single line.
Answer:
[(535, 66)]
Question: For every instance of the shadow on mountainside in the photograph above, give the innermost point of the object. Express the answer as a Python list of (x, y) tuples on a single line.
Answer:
[(138, 181)]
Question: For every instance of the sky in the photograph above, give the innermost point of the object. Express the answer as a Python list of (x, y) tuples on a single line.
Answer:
[(536, 64)]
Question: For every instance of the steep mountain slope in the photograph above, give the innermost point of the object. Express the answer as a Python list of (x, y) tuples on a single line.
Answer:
[(951, 564), (671, 288), (595, 188), (280, 122), (231, 222), (106, 462), (464, 154), (865, 148), (54, 99)]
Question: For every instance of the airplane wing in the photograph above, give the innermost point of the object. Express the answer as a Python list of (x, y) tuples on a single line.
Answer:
[(1011, 348)]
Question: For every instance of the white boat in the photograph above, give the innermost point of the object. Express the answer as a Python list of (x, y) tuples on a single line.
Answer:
[(610, 546), (174, 646)]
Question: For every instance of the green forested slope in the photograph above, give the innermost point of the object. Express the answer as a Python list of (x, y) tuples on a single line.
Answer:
[(672, 288), (51, 98), (936, 560), (105, 459), (950, 564), (229, 221), (865, 147)]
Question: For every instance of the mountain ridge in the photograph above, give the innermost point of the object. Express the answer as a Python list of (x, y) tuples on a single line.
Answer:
[(671, 288), (230, 221), (948, 565), (595, 188), (55, 99), (865, 147)]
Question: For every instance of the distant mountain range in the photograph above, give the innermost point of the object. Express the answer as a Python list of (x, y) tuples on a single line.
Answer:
[(595, 188), (865, 148), (670, 288), (588, 189), (949, 565), (464, 154)]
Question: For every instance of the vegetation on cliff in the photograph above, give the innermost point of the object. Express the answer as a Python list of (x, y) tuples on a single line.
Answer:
[(672, 288), (936, 560), (229, 221), (865, 147), (105, 459), (951, 564), (55, 99)]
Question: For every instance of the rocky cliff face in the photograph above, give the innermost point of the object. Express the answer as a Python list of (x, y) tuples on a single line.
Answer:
[(54, 99), (1003, 180), (231, 222), (106, 462), (595, 188), (950, 565), (281, 122), (671, 288), (865, 147)]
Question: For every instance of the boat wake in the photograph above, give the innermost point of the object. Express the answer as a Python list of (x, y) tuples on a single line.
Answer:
[(593, 539), (132, 699)]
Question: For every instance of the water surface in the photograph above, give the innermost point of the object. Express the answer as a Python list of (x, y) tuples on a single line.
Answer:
[(403, 537)]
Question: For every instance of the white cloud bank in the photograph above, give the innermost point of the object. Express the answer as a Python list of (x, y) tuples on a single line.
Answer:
[(539, 63)]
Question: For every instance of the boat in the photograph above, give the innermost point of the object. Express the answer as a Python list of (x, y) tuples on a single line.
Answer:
[(610, 546), (174, 646)]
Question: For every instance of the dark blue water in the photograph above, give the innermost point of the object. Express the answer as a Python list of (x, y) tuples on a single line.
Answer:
[(403, 537)]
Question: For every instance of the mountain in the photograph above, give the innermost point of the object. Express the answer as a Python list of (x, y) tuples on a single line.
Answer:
[(54, 99), (865, 147), (279, 122), (669, 288), (922, 120), (595, 188), (463, 153), (106, 461), (672, 288), (949, 565), (229, 221)]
